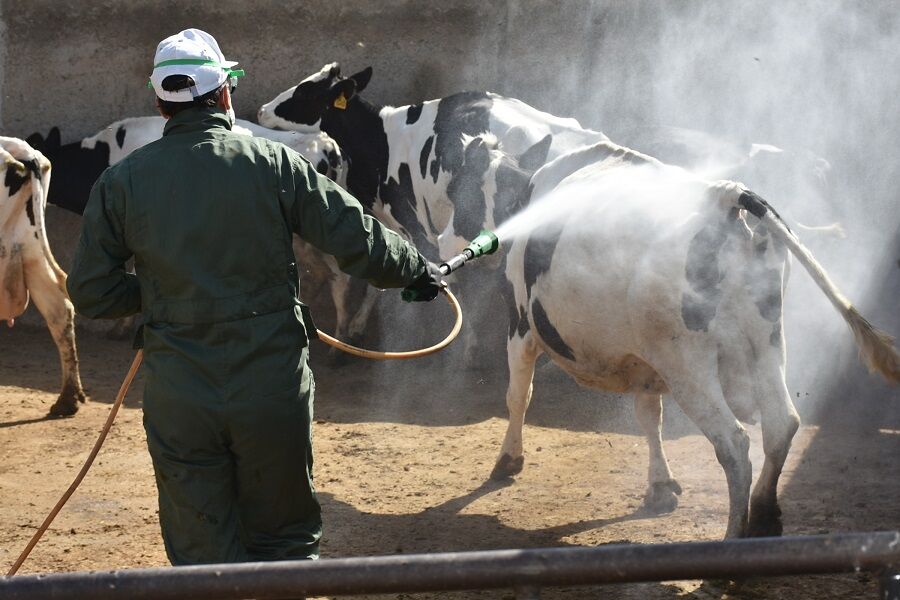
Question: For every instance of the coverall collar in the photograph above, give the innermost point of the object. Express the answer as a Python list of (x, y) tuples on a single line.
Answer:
[(197, 119)]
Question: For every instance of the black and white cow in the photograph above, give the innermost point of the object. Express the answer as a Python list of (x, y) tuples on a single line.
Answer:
[(653, 281), (27, 266), (77, 166), (403, 160)]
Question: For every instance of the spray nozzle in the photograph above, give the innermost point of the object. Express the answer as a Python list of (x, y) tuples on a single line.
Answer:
[(485, 243)]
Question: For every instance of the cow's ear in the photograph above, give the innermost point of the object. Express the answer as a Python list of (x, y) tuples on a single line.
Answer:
[(362, 79), (53, 139), (341, 92), (335, 70), (36, 141), (533, 158)]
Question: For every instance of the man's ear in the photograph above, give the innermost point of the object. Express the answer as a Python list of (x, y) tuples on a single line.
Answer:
[(225, 98), (341, 92), (362, 79)]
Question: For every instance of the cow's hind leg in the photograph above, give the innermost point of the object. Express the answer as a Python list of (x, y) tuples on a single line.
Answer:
[(56, 309), (692, 376), (663, 490), (779, 422), (522, 353)]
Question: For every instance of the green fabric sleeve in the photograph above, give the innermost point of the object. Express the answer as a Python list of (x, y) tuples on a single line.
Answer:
[(98, 283), (329, 218)]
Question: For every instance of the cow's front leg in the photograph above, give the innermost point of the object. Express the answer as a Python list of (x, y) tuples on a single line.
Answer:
[(662, 490), (522, 353), (58, 312)]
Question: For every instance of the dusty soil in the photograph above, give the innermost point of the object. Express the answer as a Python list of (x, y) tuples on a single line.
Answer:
[(403, 453)]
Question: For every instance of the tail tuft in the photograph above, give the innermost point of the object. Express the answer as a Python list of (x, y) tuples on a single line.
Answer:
[(876, 348)]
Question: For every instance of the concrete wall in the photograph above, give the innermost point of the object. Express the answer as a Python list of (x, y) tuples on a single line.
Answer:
[(83, 64)]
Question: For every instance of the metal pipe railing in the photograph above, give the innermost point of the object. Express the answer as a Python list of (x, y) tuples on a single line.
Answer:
[(527, 569)]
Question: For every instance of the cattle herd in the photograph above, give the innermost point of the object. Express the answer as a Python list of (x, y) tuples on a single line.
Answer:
[(636, 277)]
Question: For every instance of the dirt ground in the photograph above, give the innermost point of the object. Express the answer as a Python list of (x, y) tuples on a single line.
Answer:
[(403, 453)]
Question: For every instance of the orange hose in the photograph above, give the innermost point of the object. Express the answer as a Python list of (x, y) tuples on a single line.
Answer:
[(379, 355), (136, 363)]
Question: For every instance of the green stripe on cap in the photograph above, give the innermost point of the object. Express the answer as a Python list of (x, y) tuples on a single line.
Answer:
[(186, 61)]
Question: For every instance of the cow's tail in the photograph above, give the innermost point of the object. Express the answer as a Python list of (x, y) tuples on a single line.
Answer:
[(876, 348)]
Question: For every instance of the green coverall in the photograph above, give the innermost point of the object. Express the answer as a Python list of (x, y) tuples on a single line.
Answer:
[(208, 215)]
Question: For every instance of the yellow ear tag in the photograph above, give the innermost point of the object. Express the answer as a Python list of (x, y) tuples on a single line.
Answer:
[(340, 102)]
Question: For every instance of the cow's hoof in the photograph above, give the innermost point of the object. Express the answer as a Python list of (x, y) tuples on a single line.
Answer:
[(662, 496), (765, 520), (507, 466), (63, 409), (67, 403)]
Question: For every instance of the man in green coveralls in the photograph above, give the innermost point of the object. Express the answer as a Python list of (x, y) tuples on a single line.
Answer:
[(208, 216)]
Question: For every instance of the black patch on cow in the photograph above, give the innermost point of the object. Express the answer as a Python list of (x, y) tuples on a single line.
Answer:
[(14, 181), (423, 156), (120, 136), (399, 197), (775, 336), (308, 102), (75, 169), (466, 192), (758, 207), (767, 296), (29, 209), (435, 171), (322, 166), (413, 113), (334, 159), (359, 132), (464, 113), (548, 332), (539, 252), (698, 307)]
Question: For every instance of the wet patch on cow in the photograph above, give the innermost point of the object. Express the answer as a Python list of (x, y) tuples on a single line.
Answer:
[(466, 190), (464, 113), (539, 251), (513, 191), (548, 332), (120, 136), (514, 180), (413, 113), (423, 156), (703, 275)]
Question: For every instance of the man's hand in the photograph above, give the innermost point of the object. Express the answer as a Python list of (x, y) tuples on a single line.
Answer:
[(426, 287)]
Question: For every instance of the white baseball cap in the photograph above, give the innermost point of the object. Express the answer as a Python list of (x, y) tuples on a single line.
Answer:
[(194, 53)]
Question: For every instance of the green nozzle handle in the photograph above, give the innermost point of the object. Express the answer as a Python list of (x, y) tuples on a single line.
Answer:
[(485, 243)]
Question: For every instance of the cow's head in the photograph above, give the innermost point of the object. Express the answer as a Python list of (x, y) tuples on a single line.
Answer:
[(26, 177), (490, 186), (302, 107)]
